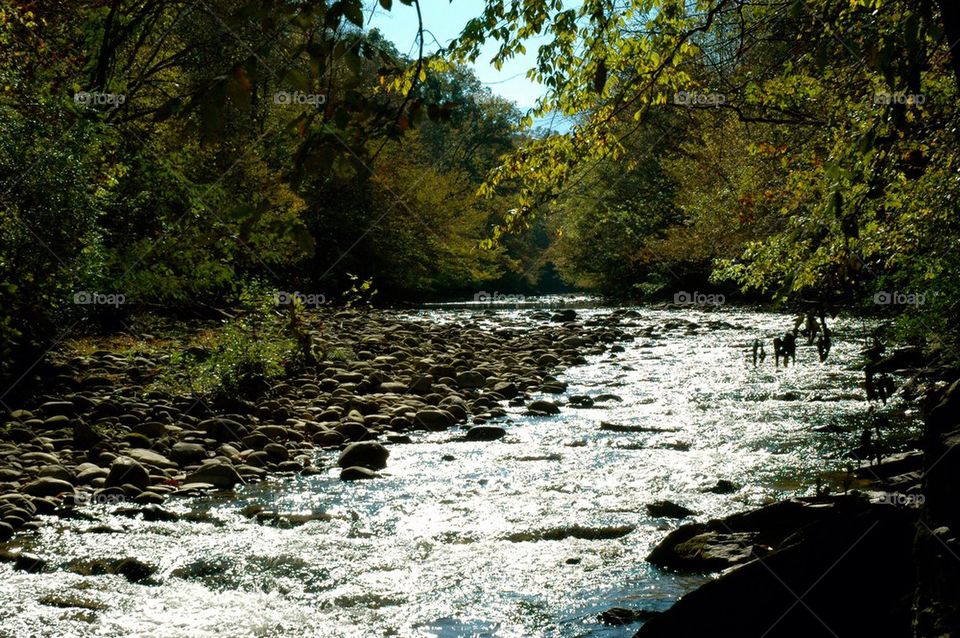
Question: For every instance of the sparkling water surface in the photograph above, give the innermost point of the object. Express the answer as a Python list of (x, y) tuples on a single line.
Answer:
[(449, 548)]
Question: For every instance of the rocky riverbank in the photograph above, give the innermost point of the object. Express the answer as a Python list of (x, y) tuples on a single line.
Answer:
[(101, 434), (883, 562)]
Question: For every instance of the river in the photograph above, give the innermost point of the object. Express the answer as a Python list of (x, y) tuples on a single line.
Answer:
[(450, 542)]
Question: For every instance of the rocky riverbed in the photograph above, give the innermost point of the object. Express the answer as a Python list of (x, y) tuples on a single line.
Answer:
[(94, 442), (521, 465)]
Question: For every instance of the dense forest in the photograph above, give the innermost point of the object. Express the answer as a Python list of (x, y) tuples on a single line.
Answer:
[(170, 155)]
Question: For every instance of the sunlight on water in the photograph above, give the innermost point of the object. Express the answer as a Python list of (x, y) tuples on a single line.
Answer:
[(531, 535)]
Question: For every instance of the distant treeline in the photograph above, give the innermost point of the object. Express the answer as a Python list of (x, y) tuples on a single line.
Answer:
[(167, 154)]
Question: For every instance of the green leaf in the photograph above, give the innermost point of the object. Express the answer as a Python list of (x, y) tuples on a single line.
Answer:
[(353, 11), (296, 79), (301, 236)]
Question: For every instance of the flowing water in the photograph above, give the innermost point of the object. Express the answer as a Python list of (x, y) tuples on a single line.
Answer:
[(451, 542)]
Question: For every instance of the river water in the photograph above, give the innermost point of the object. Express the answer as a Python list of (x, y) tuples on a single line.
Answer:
[(450, 543)]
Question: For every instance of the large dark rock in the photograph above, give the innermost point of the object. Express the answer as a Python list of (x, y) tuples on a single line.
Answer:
[(368, 454), (890, 466), (846, 575), (937, 545), (768, 526), (943, 413)]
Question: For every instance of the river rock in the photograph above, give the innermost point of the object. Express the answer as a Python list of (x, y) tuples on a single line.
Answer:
[(435, 420), (277, 452), (328, 438), (223, 429), (369, 454), (668, 509), (602, 398), (715, 551), (506, 389), (30, 563), (149, 498), (543, 407), (353, 431), (394, 387), (547, 360), (470, 379), (56, 422), (219, 475), (125, 470), (185, 453), (84, 436), (355, 473), (149, 457), (39, 457), (47, 486), (136, 441), (87, 475), (723, 486), (57, 472), (134, 570), (58, 408), (422, 384), (485, 433)]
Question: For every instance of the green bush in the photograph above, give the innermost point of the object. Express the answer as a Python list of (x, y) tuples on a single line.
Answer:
[(238, 359), (53, 184)]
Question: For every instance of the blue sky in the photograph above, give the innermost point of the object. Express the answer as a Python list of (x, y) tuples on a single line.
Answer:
[(444, 20)]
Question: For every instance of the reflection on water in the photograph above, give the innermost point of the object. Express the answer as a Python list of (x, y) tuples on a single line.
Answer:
[(455, 547)]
